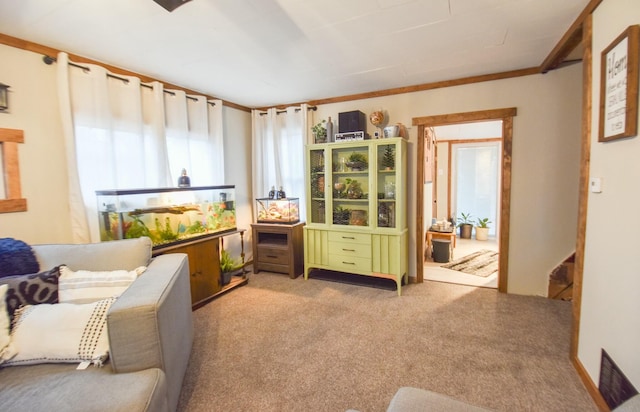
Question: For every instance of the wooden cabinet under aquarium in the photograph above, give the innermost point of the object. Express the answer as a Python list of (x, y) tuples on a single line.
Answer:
[(187, 220)]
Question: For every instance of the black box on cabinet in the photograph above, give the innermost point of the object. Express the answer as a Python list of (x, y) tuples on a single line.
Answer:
[(355, 121)]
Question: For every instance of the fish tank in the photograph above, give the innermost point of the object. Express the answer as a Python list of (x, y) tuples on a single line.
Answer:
[(285, 210), (166, 215)]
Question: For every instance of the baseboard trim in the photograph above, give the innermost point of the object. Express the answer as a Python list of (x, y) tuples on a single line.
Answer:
[(590, 385)]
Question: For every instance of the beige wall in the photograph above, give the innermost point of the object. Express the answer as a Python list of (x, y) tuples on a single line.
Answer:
[(237, 171), (545, 173), (34, 109), (611, 280)]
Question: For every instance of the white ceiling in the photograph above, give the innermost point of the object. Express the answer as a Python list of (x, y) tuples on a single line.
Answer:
[(260, 53)]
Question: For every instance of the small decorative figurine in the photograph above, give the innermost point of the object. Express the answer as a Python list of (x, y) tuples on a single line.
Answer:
[(183, 180), (272, 192), (281, 194)]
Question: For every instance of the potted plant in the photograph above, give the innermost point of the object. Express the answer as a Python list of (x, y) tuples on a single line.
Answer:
[(341, 215), (357, 161), (320, 132), (466, 225), (388, 158), (354, 189), (228, 266), (482, 229)]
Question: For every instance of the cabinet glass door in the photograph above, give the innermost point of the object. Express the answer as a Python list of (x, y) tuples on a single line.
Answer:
[(350, 185), (386, 185), (317, 180)]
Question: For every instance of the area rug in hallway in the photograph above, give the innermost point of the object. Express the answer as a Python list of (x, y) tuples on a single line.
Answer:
[(482, 263)]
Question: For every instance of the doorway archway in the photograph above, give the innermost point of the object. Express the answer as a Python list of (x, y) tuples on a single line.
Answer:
[(506, 116)]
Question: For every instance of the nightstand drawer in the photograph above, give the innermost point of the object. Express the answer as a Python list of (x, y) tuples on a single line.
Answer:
[(275, 255), (349, 263), (350, 249), (350, 237)]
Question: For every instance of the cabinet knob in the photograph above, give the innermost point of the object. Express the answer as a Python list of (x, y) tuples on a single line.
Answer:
[(348, 250), (348, 263)]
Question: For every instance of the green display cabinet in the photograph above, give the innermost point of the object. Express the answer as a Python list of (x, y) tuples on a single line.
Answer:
[(356, 208)]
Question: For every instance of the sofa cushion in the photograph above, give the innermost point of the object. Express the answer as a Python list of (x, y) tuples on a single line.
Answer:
[(32, 289), (60, 387), (61, 333), (114, 255), (85, 286)]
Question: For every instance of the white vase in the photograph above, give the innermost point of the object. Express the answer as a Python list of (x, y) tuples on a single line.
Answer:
[(482, 233)]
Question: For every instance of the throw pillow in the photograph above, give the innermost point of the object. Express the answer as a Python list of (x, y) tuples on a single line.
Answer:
[(31, 289), (6, 349), (84, 286), (16, 258), (61, 333)]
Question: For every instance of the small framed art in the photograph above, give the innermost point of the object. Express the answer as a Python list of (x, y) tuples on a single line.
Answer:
[(619, 87)]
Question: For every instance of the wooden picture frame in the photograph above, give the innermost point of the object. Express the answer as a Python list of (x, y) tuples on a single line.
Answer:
[(429, 158), (10, 171), (619, 87)]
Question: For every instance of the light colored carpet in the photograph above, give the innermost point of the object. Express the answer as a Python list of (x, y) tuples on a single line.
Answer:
[(280, 344), (482, 263)]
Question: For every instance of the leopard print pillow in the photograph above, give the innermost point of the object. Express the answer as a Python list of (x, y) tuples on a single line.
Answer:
[(31, 289)]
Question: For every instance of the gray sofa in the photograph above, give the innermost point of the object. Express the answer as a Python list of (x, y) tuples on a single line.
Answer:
[(150, 338), (408, 399)]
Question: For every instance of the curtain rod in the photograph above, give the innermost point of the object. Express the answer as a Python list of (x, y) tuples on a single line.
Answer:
[(314, 108), (48, 60)]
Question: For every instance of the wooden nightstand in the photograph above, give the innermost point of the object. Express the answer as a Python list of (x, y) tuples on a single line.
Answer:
[(278, 248)]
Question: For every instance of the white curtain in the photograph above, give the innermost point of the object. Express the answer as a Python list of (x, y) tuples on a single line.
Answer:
[(194, 138), (279, 137), (120, 134)]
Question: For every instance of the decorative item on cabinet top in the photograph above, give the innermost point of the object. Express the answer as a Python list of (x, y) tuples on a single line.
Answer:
[(319, 131), (166, 215), (285, 211)]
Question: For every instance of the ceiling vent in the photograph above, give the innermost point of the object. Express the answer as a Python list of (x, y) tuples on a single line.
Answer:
[(171, 5)]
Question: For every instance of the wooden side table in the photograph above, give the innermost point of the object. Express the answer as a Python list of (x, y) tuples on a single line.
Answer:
[(450, 236), (278, 248)]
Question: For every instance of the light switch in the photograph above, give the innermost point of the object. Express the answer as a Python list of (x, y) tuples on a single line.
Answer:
[(596, 185)]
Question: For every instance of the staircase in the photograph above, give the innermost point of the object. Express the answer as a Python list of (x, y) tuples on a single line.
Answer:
[(561, 280)]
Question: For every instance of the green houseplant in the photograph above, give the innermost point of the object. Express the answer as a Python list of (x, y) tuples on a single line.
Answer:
[(482, 228), (357, 161), (320, 132), (341, 215), (228, 266), (465, 223), (388, 161)]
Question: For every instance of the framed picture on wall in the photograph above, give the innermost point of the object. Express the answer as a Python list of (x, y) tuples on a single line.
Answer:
[(619, 87)]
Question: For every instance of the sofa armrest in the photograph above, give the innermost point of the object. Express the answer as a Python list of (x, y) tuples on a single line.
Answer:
[(150, 325), (409, 399)]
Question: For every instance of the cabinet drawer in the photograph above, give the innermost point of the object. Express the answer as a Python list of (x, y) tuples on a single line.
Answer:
[(350, 249), (273, 255), (350, 237), (349, 263)]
